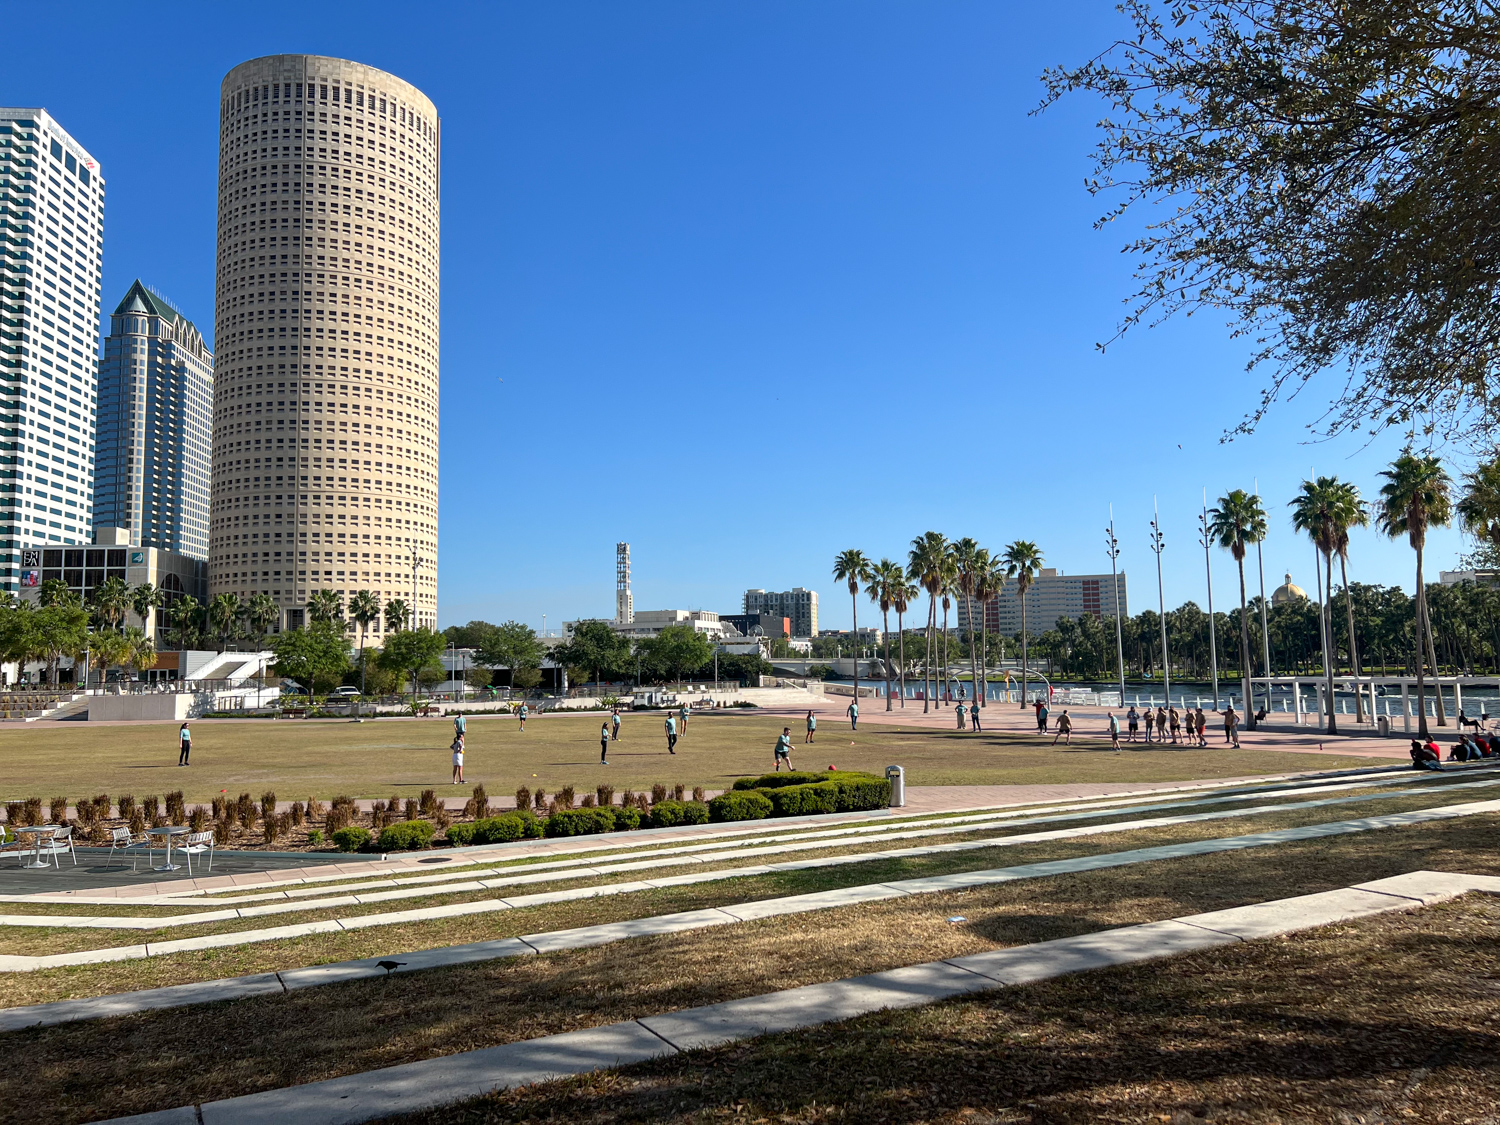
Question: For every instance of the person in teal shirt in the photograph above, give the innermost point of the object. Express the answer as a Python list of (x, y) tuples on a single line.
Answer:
[(682, 718), (522, 713), (853, 711), (460, 726), (784, 749), (671, 734), (960, 711), (812, 726)]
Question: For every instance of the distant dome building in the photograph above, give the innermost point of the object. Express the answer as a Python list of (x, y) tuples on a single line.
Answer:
[(1288, 592)]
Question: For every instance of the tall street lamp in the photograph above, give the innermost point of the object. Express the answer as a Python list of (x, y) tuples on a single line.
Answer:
[(1112, 548), (1158, 544), (1265, 628), (1208, 569)]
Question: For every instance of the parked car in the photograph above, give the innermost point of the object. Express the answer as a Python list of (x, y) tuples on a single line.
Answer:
[(346, 691)]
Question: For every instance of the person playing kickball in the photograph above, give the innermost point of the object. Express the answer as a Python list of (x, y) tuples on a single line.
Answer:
[(812, 726), (784, 749)]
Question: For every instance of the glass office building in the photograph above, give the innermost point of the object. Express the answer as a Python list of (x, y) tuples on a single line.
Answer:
[(156, 400)]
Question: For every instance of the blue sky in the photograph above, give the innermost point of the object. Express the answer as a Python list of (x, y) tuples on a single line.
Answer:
[(744, 284)]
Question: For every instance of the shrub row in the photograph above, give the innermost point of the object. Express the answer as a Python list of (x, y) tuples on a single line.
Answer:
[(521, 824), (801, 793), (404, 836)]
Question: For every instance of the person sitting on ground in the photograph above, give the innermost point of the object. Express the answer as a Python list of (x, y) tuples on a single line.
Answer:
[(1423, 758), (1433, 747), (1459, 751), (1490, 745)]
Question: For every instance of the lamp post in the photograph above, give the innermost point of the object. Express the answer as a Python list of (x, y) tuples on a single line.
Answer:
[(1208, 569), (1112, 548), (1265, 627), (1158, 544)]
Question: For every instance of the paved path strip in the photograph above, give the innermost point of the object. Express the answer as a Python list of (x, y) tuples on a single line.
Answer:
[(492, 853), (30, 963), (583, 937), (448, 1079), (386, 889)]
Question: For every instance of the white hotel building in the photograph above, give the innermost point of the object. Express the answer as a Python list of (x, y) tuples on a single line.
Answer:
[(51, 253)]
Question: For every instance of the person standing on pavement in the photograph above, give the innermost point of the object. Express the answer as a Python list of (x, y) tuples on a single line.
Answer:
[(1161, 724), (604, 740), (853, 712), (671, 726), (812, 726), (959, 711), (1041, 716), (1231, 725), (1174, 723), (1133, 717), (184, 744), (1200, 724), (1114, 732)]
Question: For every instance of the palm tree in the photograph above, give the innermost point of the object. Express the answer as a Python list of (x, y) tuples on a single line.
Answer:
[(1348, 510), (111, 601), (1238, 521), (51, 592), (925, 563), (186, 614), (879, 590), (139, 651), (1415, 497), (1312, 512), (852, 567), (903, 593), (223, 617), (970, 562), (1479, 507), (261, 612), (326, 607), (396, 614), (109, 649), (950, 580), (364, 609), (1023, 562), (144, 599)]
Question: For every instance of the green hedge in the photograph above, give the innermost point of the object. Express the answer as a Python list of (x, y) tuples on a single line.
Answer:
[(786, 777), (804, 800), (580, 822), (739, 805), (627, 820), (670, 814), (518, 825), (351, 839), (856, 791), (407, 835)]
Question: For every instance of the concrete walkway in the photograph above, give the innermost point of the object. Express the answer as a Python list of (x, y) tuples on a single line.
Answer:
[(452, 1078)]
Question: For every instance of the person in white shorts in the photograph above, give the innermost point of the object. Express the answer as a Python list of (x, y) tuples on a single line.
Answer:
[(458, 759)]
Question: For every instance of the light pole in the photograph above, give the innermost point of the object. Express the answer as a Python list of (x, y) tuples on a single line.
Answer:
[(1208, 569), (1112, 548), (1158, 544), (1265, 627)]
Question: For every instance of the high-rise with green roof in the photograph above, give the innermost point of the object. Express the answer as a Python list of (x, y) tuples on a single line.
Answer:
[(156, 400)]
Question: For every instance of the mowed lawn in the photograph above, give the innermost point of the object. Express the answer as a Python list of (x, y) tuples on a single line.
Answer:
[(378, 758)]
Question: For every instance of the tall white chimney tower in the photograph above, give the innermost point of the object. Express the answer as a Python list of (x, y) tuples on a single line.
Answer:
[(624, 605)]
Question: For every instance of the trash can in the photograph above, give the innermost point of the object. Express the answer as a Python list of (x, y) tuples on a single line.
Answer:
[(1383, 725), (897, 777)]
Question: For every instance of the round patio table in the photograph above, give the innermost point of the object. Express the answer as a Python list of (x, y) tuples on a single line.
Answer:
[(40, 830), (168, 832)]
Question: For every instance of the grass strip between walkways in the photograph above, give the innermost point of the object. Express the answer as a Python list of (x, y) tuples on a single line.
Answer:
[(1387, 1019), (37, 941), (162, 1059)]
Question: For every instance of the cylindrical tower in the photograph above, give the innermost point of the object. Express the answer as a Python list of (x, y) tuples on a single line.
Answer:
[(325, 446)]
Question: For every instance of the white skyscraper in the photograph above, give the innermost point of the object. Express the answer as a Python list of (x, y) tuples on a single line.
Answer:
[(52, 221)]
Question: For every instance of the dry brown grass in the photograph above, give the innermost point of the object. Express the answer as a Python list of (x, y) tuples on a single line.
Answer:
[(157, 1060), (1389, 1020)]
